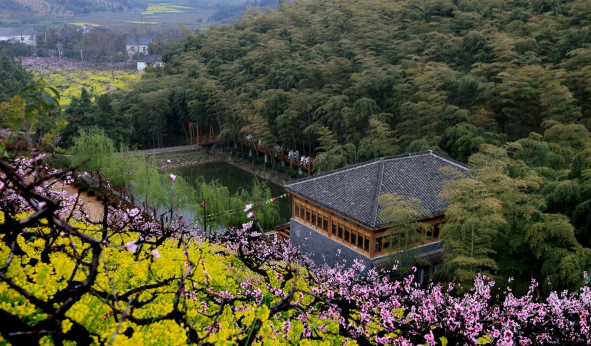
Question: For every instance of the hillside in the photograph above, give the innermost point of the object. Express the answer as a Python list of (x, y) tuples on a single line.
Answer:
[(501, 68), (501, 85), (68, 7)]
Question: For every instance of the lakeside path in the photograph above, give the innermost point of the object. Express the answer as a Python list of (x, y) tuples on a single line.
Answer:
[(92, 207), (189, 155)]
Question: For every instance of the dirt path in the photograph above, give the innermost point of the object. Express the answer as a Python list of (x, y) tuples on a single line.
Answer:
[(93, 207)]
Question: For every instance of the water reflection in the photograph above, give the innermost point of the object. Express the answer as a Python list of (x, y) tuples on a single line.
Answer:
[(233, 178)]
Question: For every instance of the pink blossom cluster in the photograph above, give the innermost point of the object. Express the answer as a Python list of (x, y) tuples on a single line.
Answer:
[(371, 307), (361, 300)]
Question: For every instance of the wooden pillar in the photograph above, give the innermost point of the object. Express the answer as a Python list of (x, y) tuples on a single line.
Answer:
[(372, 244)]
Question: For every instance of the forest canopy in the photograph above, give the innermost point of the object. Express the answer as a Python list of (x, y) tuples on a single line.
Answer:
[(500, 84), (445, 75)]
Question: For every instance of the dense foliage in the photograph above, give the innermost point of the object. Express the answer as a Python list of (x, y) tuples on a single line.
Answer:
[(347, 81), (130, 278), (444, 75), (13, 77)]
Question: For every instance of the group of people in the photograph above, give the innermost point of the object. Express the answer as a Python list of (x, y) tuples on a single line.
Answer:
[(295, 155), (292, 155)]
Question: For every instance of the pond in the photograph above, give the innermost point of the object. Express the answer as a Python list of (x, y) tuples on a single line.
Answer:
[(233, 178)]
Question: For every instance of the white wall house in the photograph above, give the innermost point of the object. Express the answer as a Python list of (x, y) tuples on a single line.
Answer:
[(149, 60), (22, 35), (133, 46)]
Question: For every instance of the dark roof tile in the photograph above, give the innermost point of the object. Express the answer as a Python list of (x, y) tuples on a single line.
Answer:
[(352, 191)]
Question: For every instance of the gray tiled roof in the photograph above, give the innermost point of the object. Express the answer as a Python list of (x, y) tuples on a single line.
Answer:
[(140, 42), (353, 191)]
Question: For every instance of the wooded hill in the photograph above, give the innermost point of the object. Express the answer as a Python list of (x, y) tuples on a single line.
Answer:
[(433, 71), (348, 81)]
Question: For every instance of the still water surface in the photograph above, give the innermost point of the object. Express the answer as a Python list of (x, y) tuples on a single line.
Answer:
[(234, 178)]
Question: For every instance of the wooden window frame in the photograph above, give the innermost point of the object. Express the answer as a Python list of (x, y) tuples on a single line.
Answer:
[(379, 244)]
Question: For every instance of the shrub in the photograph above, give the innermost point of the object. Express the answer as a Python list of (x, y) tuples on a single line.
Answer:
[(58, 161)]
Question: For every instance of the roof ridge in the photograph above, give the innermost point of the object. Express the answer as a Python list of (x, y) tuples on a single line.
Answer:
[(333, 172), (377, 160), (378, 193), (450, 160)]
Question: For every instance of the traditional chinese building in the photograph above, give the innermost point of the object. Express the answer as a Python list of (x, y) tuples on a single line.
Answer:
[(338, 212)]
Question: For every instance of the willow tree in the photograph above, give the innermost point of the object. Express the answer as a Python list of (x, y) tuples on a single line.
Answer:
[(93, 148)]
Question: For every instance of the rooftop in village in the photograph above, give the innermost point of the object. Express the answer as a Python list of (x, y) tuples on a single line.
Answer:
[(353, 191), (138, 42)]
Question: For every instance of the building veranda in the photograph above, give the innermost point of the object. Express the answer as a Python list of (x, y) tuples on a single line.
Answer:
[(337, 216)]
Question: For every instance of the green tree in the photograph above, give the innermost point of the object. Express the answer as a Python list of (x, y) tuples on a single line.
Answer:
[(79, 116), (13, 78), (514, 232), (378, 142), (404, 215), (330, 154), (474, 217), (116, 126), (93, 148)]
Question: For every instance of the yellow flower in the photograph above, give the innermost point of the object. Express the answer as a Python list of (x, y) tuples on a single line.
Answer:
[(66, 325), (263, 313)]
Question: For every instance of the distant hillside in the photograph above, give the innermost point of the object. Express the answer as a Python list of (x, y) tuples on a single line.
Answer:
[(231, 13), (16, 8), (10, 7)]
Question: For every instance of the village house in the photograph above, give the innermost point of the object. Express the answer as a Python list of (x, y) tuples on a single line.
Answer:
[(336, 215), (149, 60), (139, 46)]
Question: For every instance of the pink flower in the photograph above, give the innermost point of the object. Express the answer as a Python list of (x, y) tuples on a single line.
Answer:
[(42, 205), (250, 215), (156, 254), (247, 207), (167, 161), (172, 177), (131, 246), (133, 212)]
